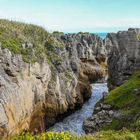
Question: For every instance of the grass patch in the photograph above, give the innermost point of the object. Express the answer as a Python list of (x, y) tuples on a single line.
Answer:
[(125, 99), (115, 125), (44, 45), (104, 135), (124, 95), (12, 44)]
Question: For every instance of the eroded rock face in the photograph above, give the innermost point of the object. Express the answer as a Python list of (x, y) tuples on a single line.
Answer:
[(123, 50), (33, 95), (102, 115), (79, 68), (123, 55), (21, 91), (88, 49)]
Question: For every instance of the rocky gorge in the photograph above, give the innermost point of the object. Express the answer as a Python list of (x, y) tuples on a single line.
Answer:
[(123, 56), (45, 75), (121, 107)]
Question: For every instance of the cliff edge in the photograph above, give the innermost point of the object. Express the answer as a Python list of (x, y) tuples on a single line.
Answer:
[(43, 75)]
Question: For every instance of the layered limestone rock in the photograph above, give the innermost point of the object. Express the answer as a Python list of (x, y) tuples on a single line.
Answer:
[(32, 95), (79, 68), (103, 115), (123, 50), (90, 51), (123, 55), (21, 91)]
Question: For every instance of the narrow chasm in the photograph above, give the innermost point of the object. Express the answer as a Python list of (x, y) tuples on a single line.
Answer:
[(74, 122)]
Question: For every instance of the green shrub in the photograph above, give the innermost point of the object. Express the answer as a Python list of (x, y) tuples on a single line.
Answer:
[(103, 135), (45, 45), (47, 136), (13, 45)]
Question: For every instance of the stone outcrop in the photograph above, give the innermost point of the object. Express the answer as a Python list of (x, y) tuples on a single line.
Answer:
[(123, 56), (102, 116), (21, 91), (123, 50), (32, 95)]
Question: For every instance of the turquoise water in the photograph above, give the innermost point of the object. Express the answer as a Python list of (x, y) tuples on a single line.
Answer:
[(102, 35)]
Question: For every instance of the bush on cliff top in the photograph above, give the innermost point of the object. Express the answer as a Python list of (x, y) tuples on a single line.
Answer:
[(126, 99), (14, 34), (104, 135), (26, 32)]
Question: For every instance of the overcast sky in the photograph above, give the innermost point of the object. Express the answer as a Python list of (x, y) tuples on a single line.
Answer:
[(74, 15)]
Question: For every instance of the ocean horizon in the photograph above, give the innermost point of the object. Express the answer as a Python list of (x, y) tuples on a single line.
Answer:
[(101, 34)]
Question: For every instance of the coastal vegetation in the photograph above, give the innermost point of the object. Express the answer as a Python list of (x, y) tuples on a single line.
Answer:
[(103, 135), (126, 99), (33, 42)]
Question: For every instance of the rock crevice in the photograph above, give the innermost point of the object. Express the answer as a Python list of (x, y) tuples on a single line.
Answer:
[(33, 95), (123, 51)]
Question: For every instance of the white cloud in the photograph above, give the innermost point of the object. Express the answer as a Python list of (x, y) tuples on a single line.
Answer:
[(61, 22)]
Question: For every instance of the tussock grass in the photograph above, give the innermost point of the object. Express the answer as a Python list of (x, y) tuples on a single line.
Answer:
[(103, 135), (127, 101), (14, 34)]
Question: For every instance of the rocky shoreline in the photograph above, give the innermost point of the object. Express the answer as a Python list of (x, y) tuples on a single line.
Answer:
[(123, 59), (34, 94), (43, 75), (102, 115)]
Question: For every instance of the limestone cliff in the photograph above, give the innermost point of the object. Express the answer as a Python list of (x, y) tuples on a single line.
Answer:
[(123, 55), (43, 75), (120, 108)]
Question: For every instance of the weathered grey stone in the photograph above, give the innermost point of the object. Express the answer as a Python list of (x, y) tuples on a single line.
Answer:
[(106, 107), (123, 49), (137, 91), (3, 117), (34, 92), (103, 116), (110, 112), (97, 109), (123, 56)]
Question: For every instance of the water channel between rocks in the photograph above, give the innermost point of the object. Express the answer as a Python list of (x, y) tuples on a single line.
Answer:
[(74, 122)]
